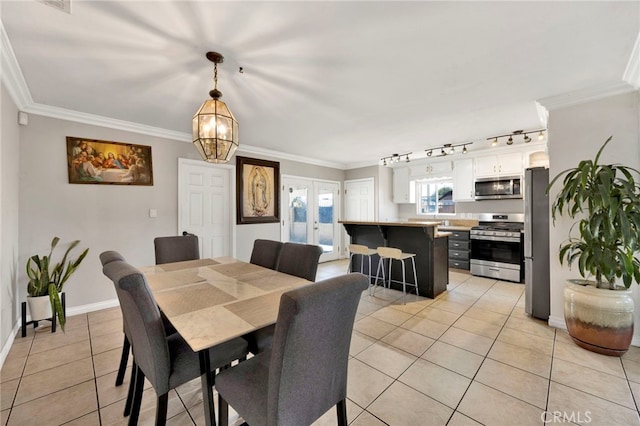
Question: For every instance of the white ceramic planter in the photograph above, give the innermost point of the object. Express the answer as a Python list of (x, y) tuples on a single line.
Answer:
[(39, 307), (599, 320)]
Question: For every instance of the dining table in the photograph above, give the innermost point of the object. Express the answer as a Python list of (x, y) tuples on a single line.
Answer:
[(211, 301)]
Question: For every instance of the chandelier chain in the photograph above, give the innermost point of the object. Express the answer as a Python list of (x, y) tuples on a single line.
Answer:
[(215, 76)]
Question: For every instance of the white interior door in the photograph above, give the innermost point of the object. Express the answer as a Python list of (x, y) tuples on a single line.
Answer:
[(359, 203), (205, 205), (310, 210), (359, 199)]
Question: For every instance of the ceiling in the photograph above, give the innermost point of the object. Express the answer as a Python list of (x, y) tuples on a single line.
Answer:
[(344, 83)]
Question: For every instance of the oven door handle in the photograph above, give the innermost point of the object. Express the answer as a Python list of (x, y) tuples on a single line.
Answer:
[(491, 238)]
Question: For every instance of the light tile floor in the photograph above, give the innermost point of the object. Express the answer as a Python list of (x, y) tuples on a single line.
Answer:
[(471, 356)]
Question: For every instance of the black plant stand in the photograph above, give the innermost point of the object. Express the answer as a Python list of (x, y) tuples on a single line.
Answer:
[(35, 323)]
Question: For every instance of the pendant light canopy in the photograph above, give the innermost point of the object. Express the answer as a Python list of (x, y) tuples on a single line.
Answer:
[(215, 129)]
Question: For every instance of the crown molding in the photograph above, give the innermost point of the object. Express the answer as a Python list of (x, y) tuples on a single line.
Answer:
[(12, 74), (98, 120), (585, 95), (249, 149), (632, 71)]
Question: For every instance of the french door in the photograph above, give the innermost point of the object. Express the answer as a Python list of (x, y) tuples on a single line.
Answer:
[(310, 210)]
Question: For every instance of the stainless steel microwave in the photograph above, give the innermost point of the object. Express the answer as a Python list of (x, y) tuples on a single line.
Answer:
[(495, 188)]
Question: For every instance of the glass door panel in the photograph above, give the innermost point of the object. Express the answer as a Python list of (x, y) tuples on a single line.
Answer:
[(298, 218), (310, 212)]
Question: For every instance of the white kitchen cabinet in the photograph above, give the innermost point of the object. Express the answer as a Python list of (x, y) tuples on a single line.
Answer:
[(430, 169), (501, 164), (403, 187), (463, 180)]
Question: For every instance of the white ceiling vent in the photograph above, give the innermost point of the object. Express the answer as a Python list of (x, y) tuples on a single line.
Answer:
[(62, 5)]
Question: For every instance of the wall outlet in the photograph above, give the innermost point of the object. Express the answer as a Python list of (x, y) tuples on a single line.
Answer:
[(153, 213)]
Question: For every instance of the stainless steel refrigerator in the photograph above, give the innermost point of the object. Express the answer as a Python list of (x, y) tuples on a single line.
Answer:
[(536, 242)]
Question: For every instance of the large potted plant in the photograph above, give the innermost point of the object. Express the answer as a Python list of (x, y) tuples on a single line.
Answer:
[(46, 280), (605, 198)]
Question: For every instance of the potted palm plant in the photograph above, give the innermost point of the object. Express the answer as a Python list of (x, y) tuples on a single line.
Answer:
[(46, 280), (605, 200)]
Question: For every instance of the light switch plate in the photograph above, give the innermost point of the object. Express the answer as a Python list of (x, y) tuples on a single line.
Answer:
[(153, 213)]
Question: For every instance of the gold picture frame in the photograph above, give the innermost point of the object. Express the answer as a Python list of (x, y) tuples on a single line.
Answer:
[(93, 161), (257, 194)]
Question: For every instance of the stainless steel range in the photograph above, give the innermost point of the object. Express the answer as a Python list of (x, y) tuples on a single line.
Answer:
[(497, 247)]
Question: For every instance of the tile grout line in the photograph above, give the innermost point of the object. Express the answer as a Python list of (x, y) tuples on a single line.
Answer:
[(24, 367)]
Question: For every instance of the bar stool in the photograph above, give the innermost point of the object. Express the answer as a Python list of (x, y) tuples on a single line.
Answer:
[(363, 251), (396, 254)]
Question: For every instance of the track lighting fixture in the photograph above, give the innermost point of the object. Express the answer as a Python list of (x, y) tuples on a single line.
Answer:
[(516, 133), (395, 158), (447, 149)]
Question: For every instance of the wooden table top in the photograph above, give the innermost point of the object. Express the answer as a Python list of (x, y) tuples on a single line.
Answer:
[(211, 301)]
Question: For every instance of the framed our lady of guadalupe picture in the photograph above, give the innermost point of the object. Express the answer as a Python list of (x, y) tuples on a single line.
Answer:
[(257, 195)]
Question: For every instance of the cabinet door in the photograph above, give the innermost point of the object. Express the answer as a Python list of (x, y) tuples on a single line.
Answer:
[(486, 166), (439, 167), (510, 164), (401, 190), (463, 180), (496, 165)]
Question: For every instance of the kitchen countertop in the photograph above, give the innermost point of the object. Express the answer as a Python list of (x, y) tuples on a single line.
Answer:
[(414, 224), (454, 228)]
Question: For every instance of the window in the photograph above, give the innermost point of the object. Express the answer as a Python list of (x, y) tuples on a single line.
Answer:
[(435, 197)]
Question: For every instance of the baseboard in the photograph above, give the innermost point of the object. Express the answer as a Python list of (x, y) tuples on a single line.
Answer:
[(557, 322), (91, 307), (7, 345), (76, 310)]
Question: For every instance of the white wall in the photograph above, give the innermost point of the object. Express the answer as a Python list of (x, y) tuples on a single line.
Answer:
[(103, 217), (576, 133), (9, 267)]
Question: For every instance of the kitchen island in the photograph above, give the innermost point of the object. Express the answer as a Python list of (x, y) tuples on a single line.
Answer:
[(421, 238)]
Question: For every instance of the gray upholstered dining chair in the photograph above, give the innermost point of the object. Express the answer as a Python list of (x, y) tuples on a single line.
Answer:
[(108, 257), (296, 259), (266, 253), (167, 250), (300, 260), (166, 361), (305, 372), (176, 249)]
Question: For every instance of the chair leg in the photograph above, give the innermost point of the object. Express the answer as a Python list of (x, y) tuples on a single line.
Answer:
[(415, 276), (223, 411), (341, 408), (161, 409), (349, 264), (404, 282), (123, 361), (137, 398), (132, 388), (375, 283)]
